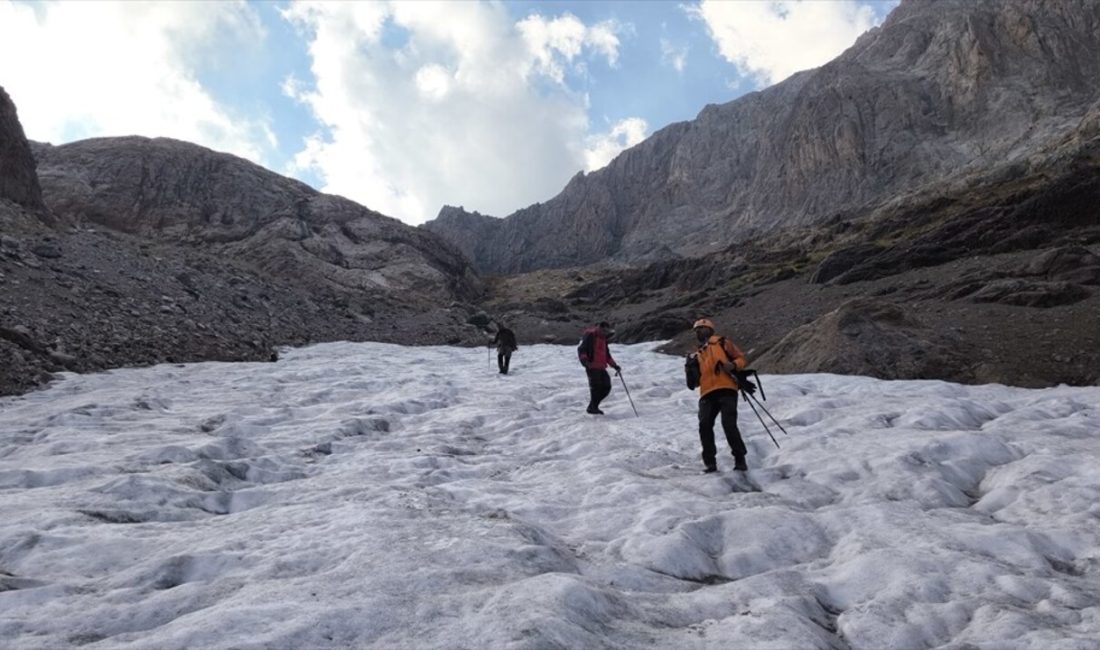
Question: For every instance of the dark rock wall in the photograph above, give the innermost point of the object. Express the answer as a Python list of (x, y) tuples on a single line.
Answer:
[(18, 182)]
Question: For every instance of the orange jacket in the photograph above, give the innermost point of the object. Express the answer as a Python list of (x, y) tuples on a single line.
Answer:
[(710, 354)]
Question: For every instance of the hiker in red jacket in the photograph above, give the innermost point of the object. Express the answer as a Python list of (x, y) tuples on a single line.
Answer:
[(595, 356)]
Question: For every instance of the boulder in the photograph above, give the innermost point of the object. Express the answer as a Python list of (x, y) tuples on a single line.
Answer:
[(656, 327), (1067, 263), (47, 250), (841, 261), (864, 336), (1029, 293), (21, 336), (480, 319)]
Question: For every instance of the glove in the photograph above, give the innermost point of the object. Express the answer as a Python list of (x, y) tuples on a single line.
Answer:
[(745, 383)]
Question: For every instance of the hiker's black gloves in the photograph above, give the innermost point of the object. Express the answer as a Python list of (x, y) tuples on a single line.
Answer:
[(745, 383)]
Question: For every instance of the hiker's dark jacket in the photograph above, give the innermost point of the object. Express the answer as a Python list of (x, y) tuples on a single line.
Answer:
[(505, 340)]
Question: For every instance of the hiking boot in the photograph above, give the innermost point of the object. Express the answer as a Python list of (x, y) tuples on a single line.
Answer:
[(593, 411), (710, 469), (739, 464)]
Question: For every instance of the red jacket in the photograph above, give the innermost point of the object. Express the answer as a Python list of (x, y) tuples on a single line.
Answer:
[(593, 351)]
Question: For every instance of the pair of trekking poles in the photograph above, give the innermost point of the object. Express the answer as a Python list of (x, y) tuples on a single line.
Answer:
[(749, 388)]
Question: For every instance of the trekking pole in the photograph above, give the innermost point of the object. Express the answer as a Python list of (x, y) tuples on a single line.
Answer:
[(749, 395), (764, 408), (762, 421), (489, 355), (620, 374), (760, 385)]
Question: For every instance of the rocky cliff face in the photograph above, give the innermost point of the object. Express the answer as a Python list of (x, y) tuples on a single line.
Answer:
[(470, 229), (18, 182), (948, 93), (995, 282), (161, 251), (176, 192)]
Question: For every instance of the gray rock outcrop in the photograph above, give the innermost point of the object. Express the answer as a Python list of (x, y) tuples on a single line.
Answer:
[(864, 337), (1029, 293), (1068, 264), (180, 193), (942, 95), (18, 182)]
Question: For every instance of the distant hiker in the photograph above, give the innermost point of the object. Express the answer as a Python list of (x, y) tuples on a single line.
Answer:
[(595, 356), (506, 345), (712, 369)]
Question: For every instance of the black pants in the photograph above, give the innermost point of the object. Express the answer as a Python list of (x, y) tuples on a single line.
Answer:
[(724, 401), (599, 386), (503, 359)]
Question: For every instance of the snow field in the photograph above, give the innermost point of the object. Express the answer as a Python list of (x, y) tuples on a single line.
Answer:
[(357, 495)]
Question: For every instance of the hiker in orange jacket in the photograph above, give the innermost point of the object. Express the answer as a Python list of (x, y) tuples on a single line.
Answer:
[(718, 359)]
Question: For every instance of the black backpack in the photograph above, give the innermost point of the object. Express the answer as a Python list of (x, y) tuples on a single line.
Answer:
[(692, 372)]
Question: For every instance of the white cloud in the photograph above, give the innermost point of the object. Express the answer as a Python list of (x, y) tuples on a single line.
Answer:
[(472, 109), (85, 69), (556, 42), (603, 37), (772, 39), (603, 148), (433, 81), (674, 55)]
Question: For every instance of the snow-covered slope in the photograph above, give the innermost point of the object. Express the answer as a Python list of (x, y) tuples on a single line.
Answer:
[(356, 495)]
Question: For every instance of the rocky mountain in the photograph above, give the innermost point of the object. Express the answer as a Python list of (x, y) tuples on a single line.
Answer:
[(926, 206), (944, 95), (998, 282), (132, 251), (180, 193)]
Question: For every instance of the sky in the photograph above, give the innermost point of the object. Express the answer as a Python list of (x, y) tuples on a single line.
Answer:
[(407, 106), (334, 499)]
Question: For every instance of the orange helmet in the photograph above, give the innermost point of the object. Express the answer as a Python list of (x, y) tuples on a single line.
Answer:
[(703, 322)]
